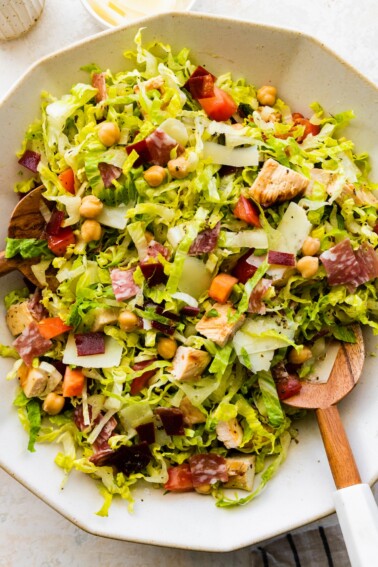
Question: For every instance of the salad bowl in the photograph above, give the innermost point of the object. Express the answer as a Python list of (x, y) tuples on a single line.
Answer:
[(304, 71)]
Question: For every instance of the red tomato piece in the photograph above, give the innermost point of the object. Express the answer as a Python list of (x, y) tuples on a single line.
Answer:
[(219, 107), (309, 128), (52, 327), (67, 179), (59, 243), (179, 479), (246, 211)]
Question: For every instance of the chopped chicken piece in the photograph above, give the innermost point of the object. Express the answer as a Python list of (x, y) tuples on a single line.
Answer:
[(326, 178), (276, 183), (153, 83), (241, 472), (219, 329), (34, 382), (103, 317), (332, 183), (230, 433), (189, 363), (19, 317), (192, 415)]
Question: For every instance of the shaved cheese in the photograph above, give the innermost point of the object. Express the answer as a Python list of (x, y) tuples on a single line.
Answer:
[(195, 278), (111, 357), (256, 238), (84, 401), (39, 270), (115, 217), (188, 299), (175, 234), (322, 370), (72, 204), (223, 155), (176, 129), (294, 229)]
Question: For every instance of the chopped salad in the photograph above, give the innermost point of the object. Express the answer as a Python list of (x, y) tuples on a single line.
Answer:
[(202, 242)]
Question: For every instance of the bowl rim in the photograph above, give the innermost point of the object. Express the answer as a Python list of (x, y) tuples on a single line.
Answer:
[(55, 505)]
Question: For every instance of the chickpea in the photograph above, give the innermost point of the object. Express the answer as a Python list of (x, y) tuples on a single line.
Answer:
[(166, 348), (311, 246), (204, 489), (308, 266), (128, 321), (90, 207), (155, 175), (267, 95), (301, 356), (178, 168), (109, 133), (53, 404), (90, 230)]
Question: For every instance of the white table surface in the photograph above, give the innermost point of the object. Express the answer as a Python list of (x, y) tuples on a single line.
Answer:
[(31, 534)]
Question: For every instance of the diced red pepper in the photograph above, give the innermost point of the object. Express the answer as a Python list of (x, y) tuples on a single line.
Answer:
[(73, 382), (310, 128), (139, 383), (219, 107), (247, 211), (243, 270), (59, 243), (52, 327), (179, 479), (67, 179), (54, 225)]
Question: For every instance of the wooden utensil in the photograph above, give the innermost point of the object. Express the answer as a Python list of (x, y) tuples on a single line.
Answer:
[(26, 222), (355, 504)]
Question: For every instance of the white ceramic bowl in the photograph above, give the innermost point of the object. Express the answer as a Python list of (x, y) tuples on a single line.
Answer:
[(304, 71), (109, 17)]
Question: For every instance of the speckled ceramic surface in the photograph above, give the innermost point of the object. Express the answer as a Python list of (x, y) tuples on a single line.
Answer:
[(18, 16), (303, 71)]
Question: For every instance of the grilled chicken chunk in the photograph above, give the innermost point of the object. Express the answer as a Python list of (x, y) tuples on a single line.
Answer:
[(219, 329), (230, 433), (33, 382), (241, 472), (331, 181), (19, 317), (276, 183), (189, 363), (192, 415)]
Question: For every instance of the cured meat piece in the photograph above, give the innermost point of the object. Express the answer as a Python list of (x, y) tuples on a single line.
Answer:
[(31, 344), (281, 258), (153, 272), (201, 87), (155, 248), (244, 270), (90, 343), (165, 329), (126, 459), (37, 310), (160, 145), (287, 385), (98, 82), (190, 311), (123, 284), (208, 469), (146, 432), (179, 479), (198, 72), (55, 223), (142, 150), (206, 241), (106, 432), (256, 304), (78, 417), (109, 173), (172, 420), (346, 266), (30, 160)]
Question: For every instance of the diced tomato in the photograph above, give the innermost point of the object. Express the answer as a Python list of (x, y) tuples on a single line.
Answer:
[(219, 107), (67, 179), (310, 128), (221, 287), (139, 383), (179, 479), (52, 327), (246, 211), (73, 382), (59, 243), (288, 387)]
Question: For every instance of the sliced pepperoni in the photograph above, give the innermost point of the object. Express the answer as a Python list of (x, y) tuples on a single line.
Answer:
[(109, 173), (98, 82), (208, 469), (31, 344), (256, 303), (206, 241), (123, 284)]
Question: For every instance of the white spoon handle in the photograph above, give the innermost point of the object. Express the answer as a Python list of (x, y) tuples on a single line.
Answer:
[(358, 517)]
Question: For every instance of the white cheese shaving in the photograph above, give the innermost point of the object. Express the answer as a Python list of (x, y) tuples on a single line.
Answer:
[(236, 157), (99, 427), (111, 357)]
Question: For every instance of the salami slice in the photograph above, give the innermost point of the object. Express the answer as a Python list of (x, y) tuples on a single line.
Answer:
[(35, 306), (98, 82), (123, 284), (346, 266), (256, 304), (109, 173), (208, 469), (160, 145), (105, 434), (155, 248), (206, 241), (31, 344)]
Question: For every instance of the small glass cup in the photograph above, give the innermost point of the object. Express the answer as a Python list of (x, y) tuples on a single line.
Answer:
[(18, 16)]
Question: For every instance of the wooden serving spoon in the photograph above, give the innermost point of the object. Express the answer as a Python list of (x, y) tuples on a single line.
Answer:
[(355, 504), (26, 222)]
